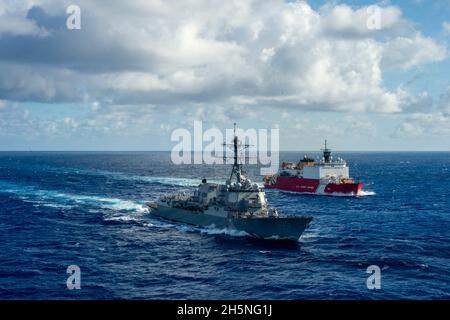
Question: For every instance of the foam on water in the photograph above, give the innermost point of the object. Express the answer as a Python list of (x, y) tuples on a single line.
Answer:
[(122, 205), (209, 230), (224, 231), (364, 193), (51, 205), (182, 182), (310, 234), (121, 218), (51, 198), (361, 193)]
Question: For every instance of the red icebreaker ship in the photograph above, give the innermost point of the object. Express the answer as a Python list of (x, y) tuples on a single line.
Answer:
[(328, 177)]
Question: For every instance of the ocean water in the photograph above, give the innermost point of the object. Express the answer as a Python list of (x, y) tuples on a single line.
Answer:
[(88, 209)]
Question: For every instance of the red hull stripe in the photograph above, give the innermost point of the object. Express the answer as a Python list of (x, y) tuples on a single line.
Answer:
[(295, 184)]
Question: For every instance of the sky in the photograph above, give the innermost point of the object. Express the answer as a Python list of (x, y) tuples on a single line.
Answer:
[(365, 75)]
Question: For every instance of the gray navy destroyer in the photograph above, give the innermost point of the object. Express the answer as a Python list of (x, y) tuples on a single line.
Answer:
[(238, 205)]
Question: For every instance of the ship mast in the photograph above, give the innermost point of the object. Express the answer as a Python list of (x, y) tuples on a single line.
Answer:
[(237, 165), (326, 153)]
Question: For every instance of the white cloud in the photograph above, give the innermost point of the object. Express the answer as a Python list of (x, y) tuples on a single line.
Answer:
[(408, 52), (343, 20), (14, 21), (418, 124), (420, 102), (446, 27), (244, 52)]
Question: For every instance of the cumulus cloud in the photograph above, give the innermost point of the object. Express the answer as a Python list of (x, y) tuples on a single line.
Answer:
[(408, 52), (13, 19), (342, 20), (444, 103), (112, 121), (418, 124), (302, 131), (271, 53), (426, 117)]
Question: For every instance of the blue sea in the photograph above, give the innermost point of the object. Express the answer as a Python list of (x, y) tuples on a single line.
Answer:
[(88, 209)]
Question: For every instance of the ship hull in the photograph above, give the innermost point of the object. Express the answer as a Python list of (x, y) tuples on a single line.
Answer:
[(313, 186), (288, 228)]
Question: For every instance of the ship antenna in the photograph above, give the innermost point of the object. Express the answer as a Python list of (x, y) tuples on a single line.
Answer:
[(236, 167), (236, 147), (326, 153)]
